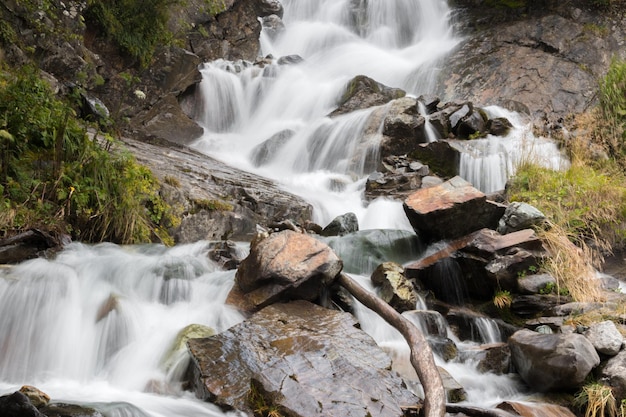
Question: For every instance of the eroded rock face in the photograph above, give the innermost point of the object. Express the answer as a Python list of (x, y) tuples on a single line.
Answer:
[(287, 265), (549, 62), (549, 362), (394, 288), (302, 358), (443, 212)]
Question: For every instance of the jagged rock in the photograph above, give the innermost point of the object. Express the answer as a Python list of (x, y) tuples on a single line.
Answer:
[(605, 337), (536, 305), (500, 126), (37, 397), (442, 157), (532, 409), (273, 25), (286, 265), (93, 108), (363, 92), (301, 357), (439, 212), (226, 253), (550, 362), (69, 410), (393, 287), (536, 284), (30, 244), (494, 358), (488, 243), (428, 321), (518, 216), (341, 225), (270, 7), (614, 373), (18, 405), (400, 177), (195, 185), (403, 127), (290, 60), (363, 251), (430, 103), (178, 348), (455, 393)]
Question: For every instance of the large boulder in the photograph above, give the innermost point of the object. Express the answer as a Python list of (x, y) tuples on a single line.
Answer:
[(286, 265), (363, 92), (18, 404), (403, 127), (614, 373), (551, 362), (518, 216), (30, 244), (605, 337), (341, 225), (195, 185), (300, 358), (451, 210), (443, 157)]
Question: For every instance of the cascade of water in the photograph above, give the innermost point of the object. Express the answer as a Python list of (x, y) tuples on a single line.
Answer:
[(488, 163), (488, 330), (392, 41), (97, 321), (431, 133)]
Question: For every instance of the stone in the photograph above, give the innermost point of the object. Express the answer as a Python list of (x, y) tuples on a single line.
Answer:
[(473, 124), (30, 244), (536, 284), (290, 60), (363, 92), (341, 225), (362, 251), (613, 372), (393, 287), (443, 347), (226, 253), (403, 127), (455, 393), (178, 348), (500, 126), (301, 357), (266, 151), (605, 337), (552, 362), (287, 265), (37, 397), (488, 243), (534, 409), (430, 322), (518, 216), (273, 25), (269, 7), (494, 358), (442, 157), (69, 410), (188, 178), (530, 306), (440, 212), (18, 404)]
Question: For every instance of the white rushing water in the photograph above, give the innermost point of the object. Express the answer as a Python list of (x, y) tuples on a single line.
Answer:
[(95, 323), (399, 43)]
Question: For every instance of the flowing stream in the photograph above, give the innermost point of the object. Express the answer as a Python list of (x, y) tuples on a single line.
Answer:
[(96, 323)]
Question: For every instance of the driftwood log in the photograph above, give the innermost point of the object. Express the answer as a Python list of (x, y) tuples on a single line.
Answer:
[(421, 354)]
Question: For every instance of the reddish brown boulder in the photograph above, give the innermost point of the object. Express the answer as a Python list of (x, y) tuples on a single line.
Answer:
[(451, 210)]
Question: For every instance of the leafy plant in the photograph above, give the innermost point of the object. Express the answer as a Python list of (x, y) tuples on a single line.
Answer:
[(502, 299)]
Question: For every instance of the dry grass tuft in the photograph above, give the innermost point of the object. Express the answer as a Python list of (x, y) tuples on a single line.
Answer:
[(572, 266), (597, 400)]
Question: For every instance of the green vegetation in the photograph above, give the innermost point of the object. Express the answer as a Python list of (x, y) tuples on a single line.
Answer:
[(53, 175), (259, 404), (136, 26)]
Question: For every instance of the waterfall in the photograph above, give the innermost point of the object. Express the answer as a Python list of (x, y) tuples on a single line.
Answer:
[(488, 330), (488, 163), (282, 110)]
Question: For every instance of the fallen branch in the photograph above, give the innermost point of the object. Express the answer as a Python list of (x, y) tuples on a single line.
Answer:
[(421, 354)]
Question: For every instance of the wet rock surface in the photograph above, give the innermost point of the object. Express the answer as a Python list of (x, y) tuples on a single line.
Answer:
[(216, 201), (303, 358)]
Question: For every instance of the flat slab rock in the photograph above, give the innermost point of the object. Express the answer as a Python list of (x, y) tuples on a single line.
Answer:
[(303, 358)]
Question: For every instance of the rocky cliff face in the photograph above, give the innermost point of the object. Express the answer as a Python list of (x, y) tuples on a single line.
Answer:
[(542, 58)]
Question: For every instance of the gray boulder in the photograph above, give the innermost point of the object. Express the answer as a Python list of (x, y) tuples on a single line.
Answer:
[(363, 92), (342, 225), (614, 373), (605, 337), (551, 362), (536, 284), (302, 358), (518, 216)]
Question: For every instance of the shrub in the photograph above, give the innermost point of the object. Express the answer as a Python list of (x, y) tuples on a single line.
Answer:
[(612, 97), (54, 174), (136, 26)]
